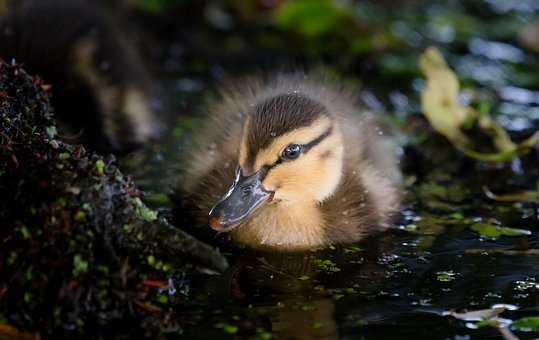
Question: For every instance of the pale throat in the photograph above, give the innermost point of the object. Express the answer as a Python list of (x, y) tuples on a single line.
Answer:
[(280, 224)]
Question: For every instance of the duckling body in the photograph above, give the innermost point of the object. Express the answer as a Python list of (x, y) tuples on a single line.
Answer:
[(307, 167)]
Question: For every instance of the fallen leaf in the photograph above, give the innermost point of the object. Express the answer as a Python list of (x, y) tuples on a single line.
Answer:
[(440, 105), (439, 99)]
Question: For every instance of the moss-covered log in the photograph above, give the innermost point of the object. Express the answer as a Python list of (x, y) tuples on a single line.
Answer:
[(79, 249)]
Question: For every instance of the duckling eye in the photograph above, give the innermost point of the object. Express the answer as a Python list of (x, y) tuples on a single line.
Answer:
[(292, 151)]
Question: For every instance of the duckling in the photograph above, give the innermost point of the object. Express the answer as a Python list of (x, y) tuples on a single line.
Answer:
[(291, 163), (101, 90)]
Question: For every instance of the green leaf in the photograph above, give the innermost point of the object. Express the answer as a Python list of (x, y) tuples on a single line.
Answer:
[(492, 231), (162, 299), (147, 214), (445, 276), (51, 131), (230, 329), (79, 216), (25, 233), (80, 266), (100, 167), (142, 211), (327, 265), (310, 17), (63, 156), (352, 249), (157, 198), (528, 324)]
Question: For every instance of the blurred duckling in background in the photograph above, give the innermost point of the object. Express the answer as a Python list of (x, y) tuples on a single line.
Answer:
[(101, 91), (291, 164)]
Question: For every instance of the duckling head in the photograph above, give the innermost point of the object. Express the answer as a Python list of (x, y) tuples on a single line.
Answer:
[(291, 154)]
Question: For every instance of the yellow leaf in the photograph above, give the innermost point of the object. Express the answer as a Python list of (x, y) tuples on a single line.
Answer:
[(439, 99), (439, 103)]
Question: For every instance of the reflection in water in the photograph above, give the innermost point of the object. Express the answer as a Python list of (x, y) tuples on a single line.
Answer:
[(299, 291), (316, 322), (285, 283), (496, 50), (519, 95)]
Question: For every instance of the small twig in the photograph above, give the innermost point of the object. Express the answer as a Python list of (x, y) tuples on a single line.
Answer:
[(506, 333), (148, 307), (503, 251), (530, 196)]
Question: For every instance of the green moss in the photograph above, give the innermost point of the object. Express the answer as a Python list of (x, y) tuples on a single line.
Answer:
[(142, 211), (80, 266), (66, 210), (100, 167), (162, 299), (51, 131), (79, 216)]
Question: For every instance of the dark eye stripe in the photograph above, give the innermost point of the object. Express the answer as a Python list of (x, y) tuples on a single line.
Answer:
[(304, 149)]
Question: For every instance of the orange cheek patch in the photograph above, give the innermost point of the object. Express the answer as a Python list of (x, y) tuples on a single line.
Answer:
[(295, 180)]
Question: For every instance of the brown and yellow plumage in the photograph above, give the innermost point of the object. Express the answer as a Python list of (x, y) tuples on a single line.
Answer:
[(308, 167)]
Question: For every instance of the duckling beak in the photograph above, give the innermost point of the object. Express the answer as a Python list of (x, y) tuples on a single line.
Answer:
[(244, 196)]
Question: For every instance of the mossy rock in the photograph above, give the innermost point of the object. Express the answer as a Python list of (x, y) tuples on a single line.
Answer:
[(71, 222)]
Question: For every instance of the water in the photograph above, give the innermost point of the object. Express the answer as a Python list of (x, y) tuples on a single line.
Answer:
[(400, 283)]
